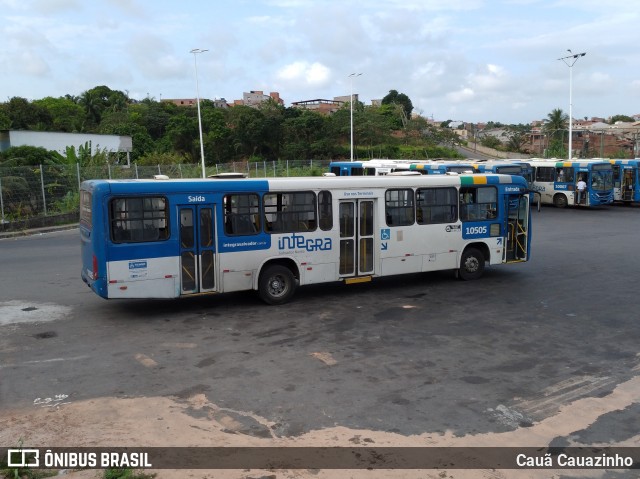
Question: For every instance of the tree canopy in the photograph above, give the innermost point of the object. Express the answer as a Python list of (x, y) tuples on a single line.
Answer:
[(166, 131)]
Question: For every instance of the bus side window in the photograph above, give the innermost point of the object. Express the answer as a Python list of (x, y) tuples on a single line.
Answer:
[(325, 212), (478, 203), (399, 207), (436, 205), (241, 214), (545, 173)]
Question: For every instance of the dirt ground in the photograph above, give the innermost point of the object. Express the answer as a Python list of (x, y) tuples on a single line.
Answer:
[(159, 421)]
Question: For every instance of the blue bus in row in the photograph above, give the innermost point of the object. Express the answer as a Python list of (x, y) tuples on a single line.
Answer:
[(378, 167), (626, 180), (176, 238), (557, 182)]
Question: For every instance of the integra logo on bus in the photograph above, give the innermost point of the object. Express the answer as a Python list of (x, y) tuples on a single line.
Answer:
[(300, 242)]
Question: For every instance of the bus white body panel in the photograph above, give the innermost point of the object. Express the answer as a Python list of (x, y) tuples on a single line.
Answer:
[(142, 239)]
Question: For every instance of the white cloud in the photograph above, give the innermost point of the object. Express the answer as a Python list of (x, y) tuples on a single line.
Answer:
[(313, 74), (460, 96)]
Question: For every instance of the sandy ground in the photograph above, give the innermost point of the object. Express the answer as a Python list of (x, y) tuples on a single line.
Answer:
[(167, 422)]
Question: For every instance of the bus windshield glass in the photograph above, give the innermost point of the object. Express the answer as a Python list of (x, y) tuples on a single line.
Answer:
[(601, 178)]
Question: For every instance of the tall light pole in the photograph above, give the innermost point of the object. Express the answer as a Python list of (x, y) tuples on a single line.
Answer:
[(351, 106), (570, 60), (195, 52)]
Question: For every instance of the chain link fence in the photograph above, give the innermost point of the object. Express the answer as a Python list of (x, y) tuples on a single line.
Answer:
[(42, 195)]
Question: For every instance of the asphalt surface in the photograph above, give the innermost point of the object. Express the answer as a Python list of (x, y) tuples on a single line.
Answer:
[(404, 354)]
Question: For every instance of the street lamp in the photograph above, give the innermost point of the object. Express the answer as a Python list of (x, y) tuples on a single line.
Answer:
[(351, 106), (195, 52), (570, 60)]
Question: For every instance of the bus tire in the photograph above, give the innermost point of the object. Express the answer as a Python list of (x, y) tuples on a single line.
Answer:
[(471, 264), (277, 284), (560, 201)]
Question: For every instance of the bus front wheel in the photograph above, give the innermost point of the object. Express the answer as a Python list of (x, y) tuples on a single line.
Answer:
[(277, 284), (471, 264)]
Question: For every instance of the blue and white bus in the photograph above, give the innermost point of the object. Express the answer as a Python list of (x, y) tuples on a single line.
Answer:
[(626, 180), (442, 167), (375, 167), (177, 238), (378, 167), (555, 181), (506, 167)]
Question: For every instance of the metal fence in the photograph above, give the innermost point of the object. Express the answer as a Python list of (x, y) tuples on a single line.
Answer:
[(48, 190)]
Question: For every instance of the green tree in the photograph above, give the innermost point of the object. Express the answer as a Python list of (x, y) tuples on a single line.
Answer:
[(182, 135), (623, 118), (66, 114), (5, 121), (304, 135), (393, 97), (557, 122), (247, 131), (27, 116), (555, 126), (490, 141), (517, 137), (25, 156), (216, 134), (99, 99)]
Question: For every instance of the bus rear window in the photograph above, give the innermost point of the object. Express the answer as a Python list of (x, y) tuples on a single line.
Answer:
[(139, 219), (85, 208)]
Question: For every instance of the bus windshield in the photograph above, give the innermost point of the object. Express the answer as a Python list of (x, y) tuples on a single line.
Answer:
[(601, 179)]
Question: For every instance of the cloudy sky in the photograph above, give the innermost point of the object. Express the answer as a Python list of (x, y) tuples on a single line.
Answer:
[(470, 60)]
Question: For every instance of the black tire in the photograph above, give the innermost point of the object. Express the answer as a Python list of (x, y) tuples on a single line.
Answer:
[(560, 201), (277, 284), (471, 264)]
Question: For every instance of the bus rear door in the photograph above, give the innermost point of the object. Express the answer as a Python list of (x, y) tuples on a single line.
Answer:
[(357, 240), (198, 262)]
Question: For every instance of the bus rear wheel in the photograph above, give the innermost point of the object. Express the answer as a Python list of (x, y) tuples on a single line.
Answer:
[(471, 264), (560, 201), (277, 284)]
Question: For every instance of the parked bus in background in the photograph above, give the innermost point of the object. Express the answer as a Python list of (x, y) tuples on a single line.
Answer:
[(506, 167), (375, 167), (556, 181), (626, 180), (442, 167), (178, 238), (378, 167), (509, 167)]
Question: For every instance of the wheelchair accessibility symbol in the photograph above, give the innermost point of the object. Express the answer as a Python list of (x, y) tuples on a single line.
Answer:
[(385, 234)]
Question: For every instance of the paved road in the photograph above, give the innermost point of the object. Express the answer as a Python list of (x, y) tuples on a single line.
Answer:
[(410, 354)]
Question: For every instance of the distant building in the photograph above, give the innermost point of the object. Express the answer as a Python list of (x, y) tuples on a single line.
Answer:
[(220, 103), (181, 101), (593, 138), (56, 141), (255, 98), (325, 107)]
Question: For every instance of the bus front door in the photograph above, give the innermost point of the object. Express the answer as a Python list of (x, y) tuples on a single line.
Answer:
[(517, 228), (357, 240), (197, 249), (628, 181)]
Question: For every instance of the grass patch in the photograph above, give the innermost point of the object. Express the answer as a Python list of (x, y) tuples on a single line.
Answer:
[(126, 474)]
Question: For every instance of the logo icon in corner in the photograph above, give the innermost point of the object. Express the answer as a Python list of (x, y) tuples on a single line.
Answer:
[(23, 457)]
